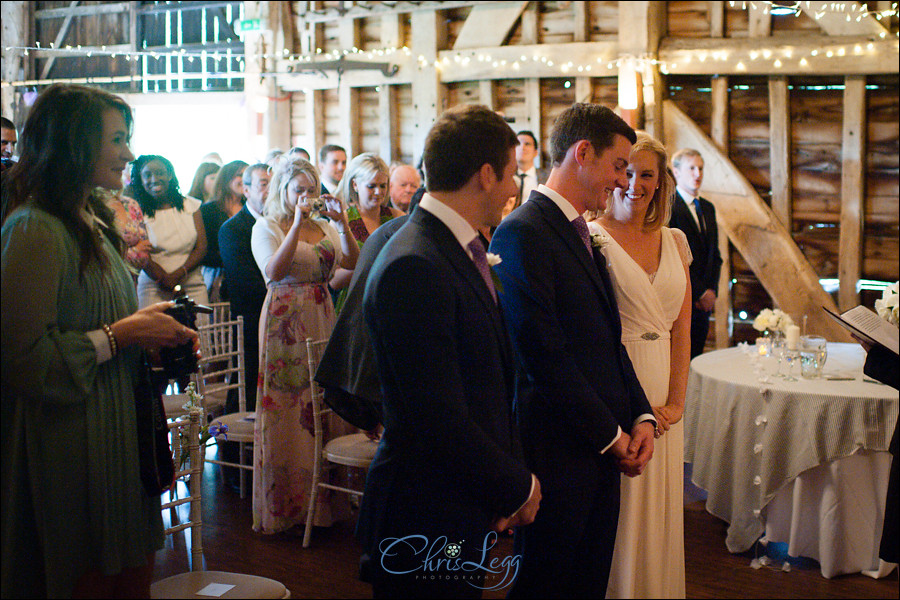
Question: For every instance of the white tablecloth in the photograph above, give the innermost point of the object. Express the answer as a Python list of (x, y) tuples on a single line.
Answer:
[(753, 443)]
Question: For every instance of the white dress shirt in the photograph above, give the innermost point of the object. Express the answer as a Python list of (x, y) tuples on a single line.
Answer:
[(689, 201), (529, 183)]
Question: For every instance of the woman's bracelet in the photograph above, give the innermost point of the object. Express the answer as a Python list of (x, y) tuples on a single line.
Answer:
[(113, 344)]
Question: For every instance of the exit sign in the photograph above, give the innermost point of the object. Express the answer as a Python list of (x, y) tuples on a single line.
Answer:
[(245, 25)]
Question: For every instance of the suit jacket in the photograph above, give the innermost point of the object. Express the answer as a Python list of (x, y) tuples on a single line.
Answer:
[(707, 263), (348, 371), (246, 286), (576, 384), (448, 462)]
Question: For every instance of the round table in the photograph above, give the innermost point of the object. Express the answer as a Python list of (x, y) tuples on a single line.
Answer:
[(771, 453)]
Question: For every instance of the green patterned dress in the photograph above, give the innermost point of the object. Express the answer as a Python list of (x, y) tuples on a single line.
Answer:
[(72, 495)]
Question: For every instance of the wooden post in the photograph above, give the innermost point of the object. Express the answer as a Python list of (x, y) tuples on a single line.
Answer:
[(533, 105), (348, 97), (14, 34), (719, 134), (429, 34), (780, 148), (852, 191), (315, 122), (387, 123), (716, 19), (760, 20), (486, 93)]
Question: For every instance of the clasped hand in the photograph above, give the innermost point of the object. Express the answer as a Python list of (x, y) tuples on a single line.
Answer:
[(634, 451)]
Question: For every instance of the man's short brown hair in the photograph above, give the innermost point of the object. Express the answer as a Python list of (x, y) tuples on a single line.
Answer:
[(592, 122), (462, 140)]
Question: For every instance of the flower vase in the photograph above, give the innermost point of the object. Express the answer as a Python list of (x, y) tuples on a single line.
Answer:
[(777, 347)]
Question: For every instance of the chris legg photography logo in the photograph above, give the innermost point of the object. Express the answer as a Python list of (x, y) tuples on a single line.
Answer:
[(440, 559)]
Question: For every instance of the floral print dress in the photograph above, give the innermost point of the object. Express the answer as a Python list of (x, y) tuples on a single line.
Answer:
[(297, 307)]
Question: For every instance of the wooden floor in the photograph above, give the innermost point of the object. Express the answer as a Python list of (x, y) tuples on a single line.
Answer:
[(328, 569)]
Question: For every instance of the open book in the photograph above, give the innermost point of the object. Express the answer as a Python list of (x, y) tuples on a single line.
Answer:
[(867, 325)]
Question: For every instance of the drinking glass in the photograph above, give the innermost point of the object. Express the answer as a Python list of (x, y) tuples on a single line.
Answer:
[(813, 353), (779, 348), (791, 357)]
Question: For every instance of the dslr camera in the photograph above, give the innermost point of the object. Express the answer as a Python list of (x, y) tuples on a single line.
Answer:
[(179, 362)]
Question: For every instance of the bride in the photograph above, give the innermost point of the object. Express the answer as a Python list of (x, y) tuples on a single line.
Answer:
[(648, 265)]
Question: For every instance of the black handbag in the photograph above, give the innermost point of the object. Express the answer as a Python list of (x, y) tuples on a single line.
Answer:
[(156, 462)]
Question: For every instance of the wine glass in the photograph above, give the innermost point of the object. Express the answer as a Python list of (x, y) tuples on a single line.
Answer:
[(791, 356), (778, 350)]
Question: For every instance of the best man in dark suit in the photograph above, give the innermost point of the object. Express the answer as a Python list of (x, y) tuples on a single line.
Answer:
[(696, 217), (447, 471), (582, 413), (246, 285)]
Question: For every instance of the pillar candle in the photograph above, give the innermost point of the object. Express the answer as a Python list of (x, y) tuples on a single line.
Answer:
[(792, 336)]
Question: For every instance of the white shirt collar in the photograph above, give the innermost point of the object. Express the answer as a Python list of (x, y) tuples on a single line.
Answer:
[(686, 196), (332, 189), (253, 212), (564, 205), (532, 172), (458, 226)]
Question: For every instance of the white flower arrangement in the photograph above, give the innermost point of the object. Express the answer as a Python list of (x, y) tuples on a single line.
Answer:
[(493, 259), (887, 305), (775, 320)]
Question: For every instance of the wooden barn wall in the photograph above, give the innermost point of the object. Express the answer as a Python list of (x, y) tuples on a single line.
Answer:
[(815, 104), (96, 30)]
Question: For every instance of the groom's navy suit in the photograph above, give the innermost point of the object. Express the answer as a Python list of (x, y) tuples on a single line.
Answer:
[(575, 387), (449, 461)]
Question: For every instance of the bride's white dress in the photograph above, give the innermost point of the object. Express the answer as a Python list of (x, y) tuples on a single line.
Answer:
[(648, 561)]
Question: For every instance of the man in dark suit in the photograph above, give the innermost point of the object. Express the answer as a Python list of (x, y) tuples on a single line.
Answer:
[(696, 217), (581, 410), (332, 163), (347, 371), (447, 470), (246, 285), (528, 176)]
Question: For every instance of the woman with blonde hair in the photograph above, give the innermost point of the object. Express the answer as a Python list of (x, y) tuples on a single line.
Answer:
[(297, 251), (648, 265), (364, 192)]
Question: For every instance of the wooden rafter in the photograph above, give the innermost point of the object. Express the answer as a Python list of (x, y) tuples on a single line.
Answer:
[(843, 23), (60, 38)]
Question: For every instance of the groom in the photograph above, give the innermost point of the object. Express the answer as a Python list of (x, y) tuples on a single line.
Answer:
[(447, 470), (582, 413)]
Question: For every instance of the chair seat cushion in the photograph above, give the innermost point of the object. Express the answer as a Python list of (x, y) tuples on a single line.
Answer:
[(186, 585), (355, 450), (240, 425), (174, 405)]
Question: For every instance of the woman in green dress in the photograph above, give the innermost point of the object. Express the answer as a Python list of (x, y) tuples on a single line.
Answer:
[(363, 190), (76, 520)]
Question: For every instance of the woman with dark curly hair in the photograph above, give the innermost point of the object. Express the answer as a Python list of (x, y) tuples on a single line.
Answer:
[(174, 227), (77, 521)]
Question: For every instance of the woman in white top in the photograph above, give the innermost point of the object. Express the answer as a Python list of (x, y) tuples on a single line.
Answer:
[(648, 265), (174, 228), (297, 252)]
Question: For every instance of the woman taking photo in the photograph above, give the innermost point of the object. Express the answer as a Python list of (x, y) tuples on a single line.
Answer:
[(76, 519), (174, 228), (297, 252)]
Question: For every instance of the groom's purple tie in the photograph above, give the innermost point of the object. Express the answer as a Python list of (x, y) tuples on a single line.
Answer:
[(479, 257), (581, 227)]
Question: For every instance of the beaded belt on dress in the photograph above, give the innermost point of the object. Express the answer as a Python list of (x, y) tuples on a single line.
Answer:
[(650, 336)]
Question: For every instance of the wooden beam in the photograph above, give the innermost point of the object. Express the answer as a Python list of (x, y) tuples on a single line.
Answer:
[(723, 309), (584, 89), (533, 105), (90, 10), (798, 55), (348, 97), (720, 114), (850, 253), (315, 122), (379, 9), (311, 35), (488, 25), (486, 94), (530, 25), (428, 92), (719, 133), (60, 37), (780, 149), (716, 19), (755, 230), (391, 31), (760, 21), (581, 21), (387, 124), (836, 23)]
